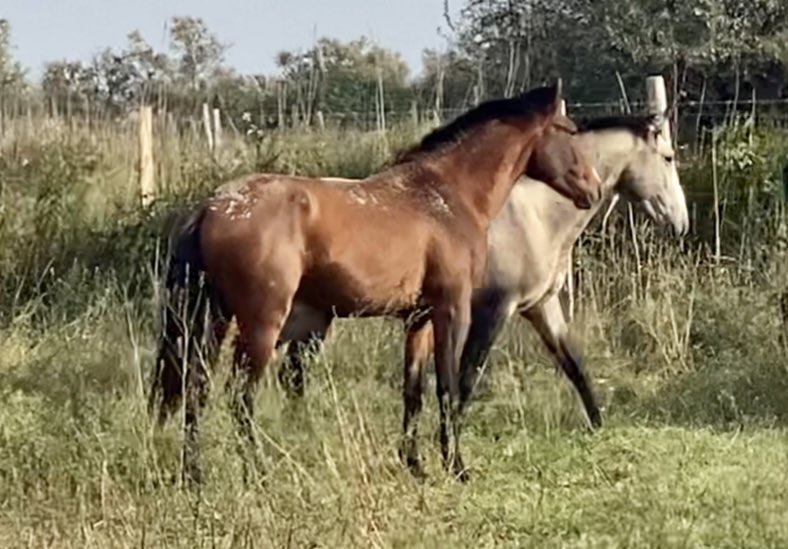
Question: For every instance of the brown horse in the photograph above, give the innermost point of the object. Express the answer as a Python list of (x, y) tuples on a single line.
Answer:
[(409, 242), (530, 244)]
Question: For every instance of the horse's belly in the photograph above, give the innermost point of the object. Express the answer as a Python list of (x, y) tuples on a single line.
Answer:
[(345, 291), (302, 321)]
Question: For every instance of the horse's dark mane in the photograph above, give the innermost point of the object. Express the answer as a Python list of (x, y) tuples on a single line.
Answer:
[(640, 125), (532, 102)]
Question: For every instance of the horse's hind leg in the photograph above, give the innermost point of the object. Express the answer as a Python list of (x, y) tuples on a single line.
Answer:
[(418, 346), (305, 345), (548, 319), (260, 324), (197, 385), (491, 309)]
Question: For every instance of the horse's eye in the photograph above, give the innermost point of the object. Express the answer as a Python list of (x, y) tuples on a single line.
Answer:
[(668, 159)]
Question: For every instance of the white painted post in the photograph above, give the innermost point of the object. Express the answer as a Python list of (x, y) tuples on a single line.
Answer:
[(146, 167), (658, 100)]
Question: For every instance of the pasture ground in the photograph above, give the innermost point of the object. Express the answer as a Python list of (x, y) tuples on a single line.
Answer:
[(694, 459), (686, 357)]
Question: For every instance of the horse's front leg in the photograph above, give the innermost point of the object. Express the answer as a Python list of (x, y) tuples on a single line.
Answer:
[(451, 321), (548, 320)]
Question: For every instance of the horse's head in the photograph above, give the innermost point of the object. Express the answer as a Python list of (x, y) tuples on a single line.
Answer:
[(555, 157), (558, 161), (651, 179)]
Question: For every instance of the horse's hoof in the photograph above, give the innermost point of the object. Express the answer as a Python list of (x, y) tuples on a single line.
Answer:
[(595, 421), (416, 470), (192, 480), (461, 472), (463, 476), (413, 463)]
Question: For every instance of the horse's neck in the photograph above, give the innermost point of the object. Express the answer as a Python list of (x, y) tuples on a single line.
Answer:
[(481, 169), (608, 152), (562, 222)]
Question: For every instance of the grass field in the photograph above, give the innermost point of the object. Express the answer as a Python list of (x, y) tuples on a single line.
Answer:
[(685, 354)]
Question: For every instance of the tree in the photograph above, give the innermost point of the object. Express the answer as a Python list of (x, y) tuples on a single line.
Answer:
[(524, 43), (12, 77), (199, 52), (344, 77), (450, 80), (69, 86), (586, 42), (133, 75)]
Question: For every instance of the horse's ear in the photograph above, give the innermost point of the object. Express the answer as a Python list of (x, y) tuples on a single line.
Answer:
[(656, 123), (555, 103)]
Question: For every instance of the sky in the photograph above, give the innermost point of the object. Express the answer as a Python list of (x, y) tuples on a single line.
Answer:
[(46, 30)]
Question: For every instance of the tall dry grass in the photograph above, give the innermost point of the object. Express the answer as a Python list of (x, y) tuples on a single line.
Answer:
[(683, 346)]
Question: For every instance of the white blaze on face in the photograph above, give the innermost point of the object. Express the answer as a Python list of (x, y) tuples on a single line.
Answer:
[(675, 203)]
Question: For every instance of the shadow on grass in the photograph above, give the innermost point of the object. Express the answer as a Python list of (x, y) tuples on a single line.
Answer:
[(725, 395)]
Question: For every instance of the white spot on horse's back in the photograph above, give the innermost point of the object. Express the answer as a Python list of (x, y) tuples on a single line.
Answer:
[(359, 195), (438, 203)]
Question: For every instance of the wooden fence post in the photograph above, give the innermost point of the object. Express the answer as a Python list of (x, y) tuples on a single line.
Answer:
[(146, 166), (658, 100), (217, 129), (206, 123)]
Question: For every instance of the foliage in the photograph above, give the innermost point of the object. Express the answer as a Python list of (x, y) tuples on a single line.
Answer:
[(198, 51), (684, 353), (717, 49), (340, 77), (530, 40), (11, 73)]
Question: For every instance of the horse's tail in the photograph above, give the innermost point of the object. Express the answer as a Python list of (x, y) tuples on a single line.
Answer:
[(190, 315)]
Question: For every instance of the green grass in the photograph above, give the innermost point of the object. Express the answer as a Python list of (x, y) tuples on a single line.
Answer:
[(81, 466), (686, 359)]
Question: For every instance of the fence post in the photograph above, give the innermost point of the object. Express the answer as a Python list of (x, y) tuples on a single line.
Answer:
[(658, 100), (206, 124), (217, 129), (146, 167)]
